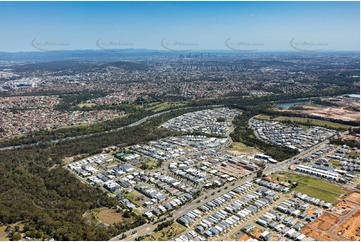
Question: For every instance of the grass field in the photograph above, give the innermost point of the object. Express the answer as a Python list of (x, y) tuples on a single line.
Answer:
[(313, 187), (156, 107), (109, 216), (3, 234), (335, 163), (137, 211), (306, 121), (150, 164), (88, 105), (240, 148), (133, 197), (166, 233)]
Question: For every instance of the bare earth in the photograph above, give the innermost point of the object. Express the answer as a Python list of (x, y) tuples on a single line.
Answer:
[(350, 228), (244, 237), (323, 236), (310, 211), (343, 208), (325, 221), (328, 112), (351, 137), (354, 198)]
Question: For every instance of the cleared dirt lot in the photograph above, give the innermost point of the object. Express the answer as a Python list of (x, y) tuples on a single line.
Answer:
[(325, 221), (310, 210), (329, 112), (354, 198), (233, 170), (317, 235), (343, 208), (350, 228), (244, 237)]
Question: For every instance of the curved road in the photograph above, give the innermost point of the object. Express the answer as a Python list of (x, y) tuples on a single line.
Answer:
[(103, 132)]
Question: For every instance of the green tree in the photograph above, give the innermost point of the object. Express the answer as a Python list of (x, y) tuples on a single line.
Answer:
[(16, 228), (16, 236), (127, 214)]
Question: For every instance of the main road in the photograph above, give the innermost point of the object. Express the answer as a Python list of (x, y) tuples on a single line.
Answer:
[(148, 228)]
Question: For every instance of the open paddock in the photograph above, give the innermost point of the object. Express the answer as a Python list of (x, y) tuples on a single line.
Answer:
[(109, 216), (3, 234), (313, 187), (238, 148)]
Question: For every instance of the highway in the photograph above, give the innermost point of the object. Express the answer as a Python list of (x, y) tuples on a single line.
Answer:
[(104, 132), (149, 228)]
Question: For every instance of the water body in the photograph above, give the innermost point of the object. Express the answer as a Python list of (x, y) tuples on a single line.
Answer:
[(288, 105)]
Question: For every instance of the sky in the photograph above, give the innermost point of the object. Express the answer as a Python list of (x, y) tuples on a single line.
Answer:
[(268, 26)]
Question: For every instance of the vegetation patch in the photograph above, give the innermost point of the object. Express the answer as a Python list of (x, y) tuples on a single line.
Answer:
[(353, 154), (46, 135), (135, 197), (245, 135), (166, 233), (86, 105), (305, 121), (157, 107), (335, 163), (343, 141), (148, 165)]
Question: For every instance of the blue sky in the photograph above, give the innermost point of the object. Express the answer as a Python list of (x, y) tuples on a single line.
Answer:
[(29, 26)]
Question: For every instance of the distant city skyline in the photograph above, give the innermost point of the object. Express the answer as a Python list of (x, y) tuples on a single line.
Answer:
[(180, 26)]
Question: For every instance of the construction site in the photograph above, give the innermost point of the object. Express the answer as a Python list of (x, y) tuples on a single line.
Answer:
[(342, 222), (327, 112)]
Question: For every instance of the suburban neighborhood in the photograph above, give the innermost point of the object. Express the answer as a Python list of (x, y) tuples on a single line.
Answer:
[(166, 176)]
